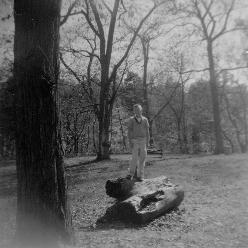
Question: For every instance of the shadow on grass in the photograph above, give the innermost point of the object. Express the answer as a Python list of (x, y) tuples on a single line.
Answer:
[(171, 218), (113, 224)]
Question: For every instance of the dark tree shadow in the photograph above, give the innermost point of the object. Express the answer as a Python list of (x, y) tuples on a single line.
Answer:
[(108, 223)]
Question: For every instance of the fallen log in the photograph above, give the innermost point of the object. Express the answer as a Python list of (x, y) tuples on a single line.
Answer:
[(143, 201), (122, 188)]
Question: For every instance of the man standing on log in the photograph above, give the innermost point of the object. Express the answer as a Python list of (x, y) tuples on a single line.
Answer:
[(138, 136)]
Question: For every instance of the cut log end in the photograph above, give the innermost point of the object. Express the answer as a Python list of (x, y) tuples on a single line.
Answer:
[(119, 188)]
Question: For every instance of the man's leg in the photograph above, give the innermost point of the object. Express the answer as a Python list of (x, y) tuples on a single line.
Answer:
[(134, 160), (142, 159)]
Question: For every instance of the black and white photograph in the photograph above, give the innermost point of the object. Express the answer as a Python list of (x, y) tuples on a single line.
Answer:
[(123, 123)]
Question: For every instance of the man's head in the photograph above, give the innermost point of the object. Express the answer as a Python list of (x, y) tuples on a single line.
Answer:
[(137, 109)]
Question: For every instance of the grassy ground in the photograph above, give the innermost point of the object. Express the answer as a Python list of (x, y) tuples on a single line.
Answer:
[(214, 212)]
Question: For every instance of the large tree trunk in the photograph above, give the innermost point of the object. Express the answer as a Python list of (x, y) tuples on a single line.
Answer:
[(219, 146), (145, 45), (104, 113), (104, 130), (43, 216)]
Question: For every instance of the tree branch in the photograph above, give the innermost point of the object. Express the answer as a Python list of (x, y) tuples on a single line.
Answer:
[(212, 19), (221, 32), (69, 68), (107, 7), (207, 8), (115, 89), (235, 29), (200, 17), (68, 13), (87, 17), (76, 76), (132, 41), (100, 28), (72, 50), (111, 32), (232, 69), (200, 70)]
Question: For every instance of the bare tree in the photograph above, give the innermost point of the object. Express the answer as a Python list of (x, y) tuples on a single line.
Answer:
[(109, 83), (213, 18)]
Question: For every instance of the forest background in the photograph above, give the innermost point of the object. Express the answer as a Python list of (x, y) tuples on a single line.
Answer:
[(184, 61)]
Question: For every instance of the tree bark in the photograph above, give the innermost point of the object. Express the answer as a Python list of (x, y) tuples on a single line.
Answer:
[(219, 146), (104, 131), (43, 214)]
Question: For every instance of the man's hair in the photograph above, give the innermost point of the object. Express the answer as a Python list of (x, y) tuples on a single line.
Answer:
[(137, 106)]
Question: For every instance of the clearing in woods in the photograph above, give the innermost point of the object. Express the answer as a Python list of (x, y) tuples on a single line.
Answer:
[(214, 212)]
